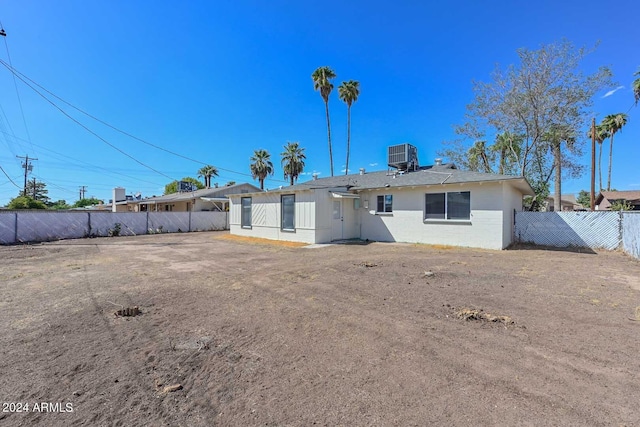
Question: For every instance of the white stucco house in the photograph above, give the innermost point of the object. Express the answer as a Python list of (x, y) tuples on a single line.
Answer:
[(434, 205)]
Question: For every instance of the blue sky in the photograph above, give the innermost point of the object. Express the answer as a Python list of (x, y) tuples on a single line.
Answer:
[(214, 81)]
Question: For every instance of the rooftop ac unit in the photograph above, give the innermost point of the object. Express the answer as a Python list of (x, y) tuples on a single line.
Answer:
[(403, 157)]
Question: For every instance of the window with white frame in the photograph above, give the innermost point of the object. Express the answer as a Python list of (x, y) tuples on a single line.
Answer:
[(455, 205), (385, 203), (288, 203), (245, 220)]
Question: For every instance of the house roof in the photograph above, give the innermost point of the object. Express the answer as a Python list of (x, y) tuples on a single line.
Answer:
[(630, 196), (205, 192), (429, 175), (568, 199)]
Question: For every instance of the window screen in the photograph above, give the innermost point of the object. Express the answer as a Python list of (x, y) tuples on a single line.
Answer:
[(288, 212), (434, 206), (458, 205)]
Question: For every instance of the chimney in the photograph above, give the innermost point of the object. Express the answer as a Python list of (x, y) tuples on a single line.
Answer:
[(315, 176), (215, 185), (362, 171), (438, 162)]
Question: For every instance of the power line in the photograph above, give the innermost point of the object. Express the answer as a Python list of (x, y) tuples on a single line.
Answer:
[(23, 77), (110, 171), (15, 84), (9, 178), (83, 126)]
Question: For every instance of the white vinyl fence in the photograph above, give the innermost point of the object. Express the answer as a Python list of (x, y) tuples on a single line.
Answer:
[(41, 226), (604, 230)]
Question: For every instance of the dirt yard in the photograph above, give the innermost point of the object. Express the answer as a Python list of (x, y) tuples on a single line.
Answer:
[(234, 332)]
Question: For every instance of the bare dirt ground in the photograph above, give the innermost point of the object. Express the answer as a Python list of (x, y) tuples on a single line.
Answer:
[(265, 334)]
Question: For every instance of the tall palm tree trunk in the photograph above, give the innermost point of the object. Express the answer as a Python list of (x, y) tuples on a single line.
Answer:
[(261, 183), (557, 159), (610, 160), (326, 108), (502, 156), (600, 169), (346, 169)]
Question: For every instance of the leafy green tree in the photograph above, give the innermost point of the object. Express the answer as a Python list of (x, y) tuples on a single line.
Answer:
[(293, 161), (613, 123), (206, 172), (546, 88), (172, 187), (322, 77), (25, 202), (83, 203), (584, 198), (58, 205), (601, 134), (349, 92), (37, 190), (621, 205), (261, 166)]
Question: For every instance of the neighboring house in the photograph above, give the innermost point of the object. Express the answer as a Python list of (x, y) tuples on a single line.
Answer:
[(434, 205), (569, 203), (207, 199), (605, 199)]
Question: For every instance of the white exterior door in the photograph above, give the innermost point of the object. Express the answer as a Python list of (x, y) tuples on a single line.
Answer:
[(337, 221)]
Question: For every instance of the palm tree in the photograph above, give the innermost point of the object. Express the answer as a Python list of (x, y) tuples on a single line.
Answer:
[(555, 137), (507, 146), (601, 135), (207, 172), (478, 159), (613, 123), (322, 82), (636, 86), (349, 92), (292, 161), (261, 166)]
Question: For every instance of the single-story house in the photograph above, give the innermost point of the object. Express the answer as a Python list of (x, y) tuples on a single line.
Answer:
[(605, 199), (207, 199), (437, 204), (568, 201)]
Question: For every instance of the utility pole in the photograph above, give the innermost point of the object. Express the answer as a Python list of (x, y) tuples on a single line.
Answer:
[(593, 164), (34, 188), (28, 167), (83, 189)]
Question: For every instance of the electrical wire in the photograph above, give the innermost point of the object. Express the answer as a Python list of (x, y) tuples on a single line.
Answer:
[(9, 178), (23, 77), (15, 84), (82, 125)]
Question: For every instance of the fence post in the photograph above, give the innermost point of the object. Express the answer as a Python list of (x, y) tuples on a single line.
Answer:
[(15, 230), (89, 223), (189, 221), (620, 236), (147, 227)]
